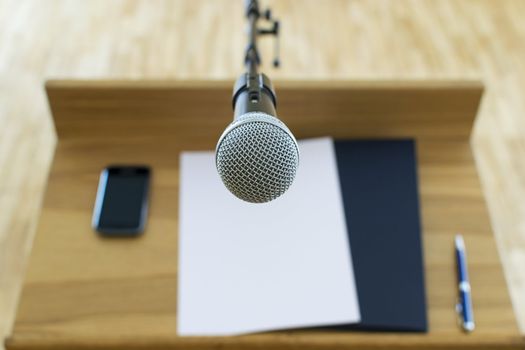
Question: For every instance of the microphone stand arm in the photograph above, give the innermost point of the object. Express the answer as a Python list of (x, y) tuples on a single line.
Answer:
[(258, 87), (252, 58)]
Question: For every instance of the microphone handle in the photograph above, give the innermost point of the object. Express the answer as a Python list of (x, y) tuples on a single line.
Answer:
[(253, 93)]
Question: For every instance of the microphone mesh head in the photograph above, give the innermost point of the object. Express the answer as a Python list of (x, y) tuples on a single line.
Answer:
[(257, 157)]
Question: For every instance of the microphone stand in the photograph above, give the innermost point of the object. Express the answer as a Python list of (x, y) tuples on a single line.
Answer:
[(257, 86), (252, 58)]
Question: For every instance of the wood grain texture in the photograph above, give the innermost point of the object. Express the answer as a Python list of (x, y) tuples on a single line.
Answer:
[(84, 291), (198, 39), (416, 109)]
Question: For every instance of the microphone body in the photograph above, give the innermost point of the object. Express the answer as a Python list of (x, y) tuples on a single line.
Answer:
[(253, 93)]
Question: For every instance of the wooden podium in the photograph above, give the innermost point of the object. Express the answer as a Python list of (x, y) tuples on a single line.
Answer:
[(83, 291)]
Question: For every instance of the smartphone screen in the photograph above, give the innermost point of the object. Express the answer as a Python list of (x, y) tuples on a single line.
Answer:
[(121, 205)]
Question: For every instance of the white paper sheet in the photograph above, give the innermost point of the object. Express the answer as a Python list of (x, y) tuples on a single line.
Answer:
[(257, 267)]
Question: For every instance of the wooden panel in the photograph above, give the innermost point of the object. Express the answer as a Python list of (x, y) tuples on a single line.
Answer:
[(88, 292), (200, 110)]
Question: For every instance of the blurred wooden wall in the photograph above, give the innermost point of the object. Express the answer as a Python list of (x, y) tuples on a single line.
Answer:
[(333, 39)]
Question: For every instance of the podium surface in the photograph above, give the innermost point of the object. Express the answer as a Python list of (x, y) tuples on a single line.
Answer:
[(84, 291)]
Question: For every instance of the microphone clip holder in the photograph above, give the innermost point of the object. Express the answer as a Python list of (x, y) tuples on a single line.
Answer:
[(253, 14)]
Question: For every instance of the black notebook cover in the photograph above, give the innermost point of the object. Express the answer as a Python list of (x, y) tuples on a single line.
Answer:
[(380, 194)]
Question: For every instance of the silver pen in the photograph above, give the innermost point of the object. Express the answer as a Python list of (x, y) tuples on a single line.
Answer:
[(464, 305)]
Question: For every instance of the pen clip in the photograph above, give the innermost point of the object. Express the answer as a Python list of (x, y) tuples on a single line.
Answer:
[(459, 312)]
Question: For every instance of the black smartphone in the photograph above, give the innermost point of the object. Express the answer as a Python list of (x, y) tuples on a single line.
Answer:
[(121, 206)]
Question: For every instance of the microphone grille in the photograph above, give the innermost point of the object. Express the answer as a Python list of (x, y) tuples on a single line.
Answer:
[(257, 157)]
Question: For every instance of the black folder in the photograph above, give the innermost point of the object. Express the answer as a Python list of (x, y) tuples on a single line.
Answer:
[(379, 185)]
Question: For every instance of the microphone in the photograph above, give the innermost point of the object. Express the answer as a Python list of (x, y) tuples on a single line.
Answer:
[(257, 156)]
